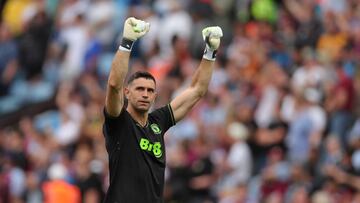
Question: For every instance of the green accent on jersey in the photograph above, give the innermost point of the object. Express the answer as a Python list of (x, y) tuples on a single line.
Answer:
[(146, 145), (155, 128)]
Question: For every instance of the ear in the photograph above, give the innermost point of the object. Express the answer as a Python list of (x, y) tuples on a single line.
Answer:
[(155, 95), (126, 92)]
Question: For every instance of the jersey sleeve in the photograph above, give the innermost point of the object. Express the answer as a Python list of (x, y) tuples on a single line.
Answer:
[(164, 116), (111, 123)]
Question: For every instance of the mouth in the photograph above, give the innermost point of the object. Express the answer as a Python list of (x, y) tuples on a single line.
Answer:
[(144, 102)]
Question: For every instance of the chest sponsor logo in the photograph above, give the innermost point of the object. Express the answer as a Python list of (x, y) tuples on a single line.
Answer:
[(155, 128), (155, 147)]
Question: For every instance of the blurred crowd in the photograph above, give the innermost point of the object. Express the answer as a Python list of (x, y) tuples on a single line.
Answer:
[(280, 122)]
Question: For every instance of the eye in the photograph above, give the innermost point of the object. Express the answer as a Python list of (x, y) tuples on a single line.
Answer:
[(140, 88), (151, 90)]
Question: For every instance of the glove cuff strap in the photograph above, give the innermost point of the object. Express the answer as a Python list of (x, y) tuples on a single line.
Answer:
[(126, 45), (209, 54)]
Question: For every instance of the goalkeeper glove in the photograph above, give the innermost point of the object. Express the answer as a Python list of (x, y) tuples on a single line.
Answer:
[(211, 36), (133, 30)]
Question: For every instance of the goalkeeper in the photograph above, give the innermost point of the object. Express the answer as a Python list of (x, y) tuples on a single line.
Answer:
[(134, 137)]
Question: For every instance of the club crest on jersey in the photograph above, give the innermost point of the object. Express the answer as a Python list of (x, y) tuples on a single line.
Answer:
[(155, 128)]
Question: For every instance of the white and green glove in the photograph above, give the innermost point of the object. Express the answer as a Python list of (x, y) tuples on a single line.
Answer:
[(133, 30), (211, 36)]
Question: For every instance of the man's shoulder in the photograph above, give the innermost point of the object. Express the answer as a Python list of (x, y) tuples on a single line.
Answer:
[(164, 113), (161, 111)]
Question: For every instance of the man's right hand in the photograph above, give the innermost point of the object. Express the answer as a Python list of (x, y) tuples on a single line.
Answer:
[(135, 28), (211, 36)]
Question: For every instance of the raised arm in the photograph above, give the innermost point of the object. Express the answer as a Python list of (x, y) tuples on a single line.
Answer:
[(133, 29), (183, 103)]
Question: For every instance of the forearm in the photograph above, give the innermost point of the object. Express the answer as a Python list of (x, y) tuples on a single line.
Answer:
[(199, 85), (114, 101), (133, 29), (119, 70), (202, 77), (114, 95)]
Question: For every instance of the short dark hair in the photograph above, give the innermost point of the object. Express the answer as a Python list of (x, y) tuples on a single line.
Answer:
[(141, 74)]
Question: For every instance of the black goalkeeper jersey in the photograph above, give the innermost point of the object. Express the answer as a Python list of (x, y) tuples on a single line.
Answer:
[(136, 156)]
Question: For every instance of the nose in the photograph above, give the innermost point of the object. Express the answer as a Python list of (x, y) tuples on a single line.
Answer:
[(145, 94)]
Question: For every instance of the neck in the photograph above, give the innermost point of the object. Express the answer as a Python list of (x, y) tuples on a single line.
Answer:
[(140, 117)]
